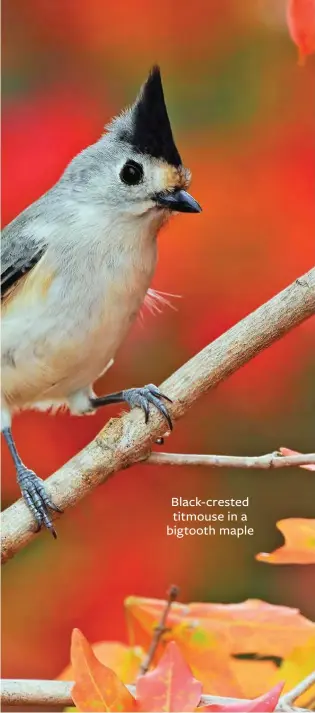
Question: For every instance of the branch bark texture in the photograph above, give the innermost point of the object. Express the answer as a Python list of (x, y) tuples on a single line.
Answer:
[(24, 692), (126, 440), (267, 462)]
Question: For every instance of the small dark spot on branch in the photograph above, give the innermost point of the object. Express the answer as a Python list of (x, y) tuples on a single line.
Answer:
[(8, 358), (302, 281)]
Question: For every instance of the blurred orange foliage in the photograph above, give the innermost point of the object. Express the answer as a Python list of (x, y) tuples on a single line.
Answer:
[(242, 114), (230, 648), (301, 22)]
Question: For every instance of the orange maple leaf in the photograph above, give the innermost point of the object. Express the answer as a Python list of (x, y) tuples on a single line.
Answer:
[(267, 702), (96, 688), (124, 660), (170, 686), (211, 636), (299, 547)]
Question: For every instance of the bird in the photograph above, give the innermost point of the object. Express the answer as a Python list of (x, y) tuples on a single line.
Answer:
[(76, 266)]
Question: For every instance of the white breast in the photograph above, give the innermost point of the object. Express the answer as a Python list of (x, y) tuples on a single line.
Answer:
[(56, 344)]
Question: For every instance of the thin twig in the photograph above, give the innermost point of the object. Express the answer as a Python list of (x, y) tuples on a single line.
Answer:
[(24, 692), (159, 630), (288, 698), (127, 440), (266, 462)]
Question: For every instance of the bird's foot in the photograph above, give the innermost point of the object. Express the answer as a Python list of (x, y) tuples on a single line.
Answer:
[(35, 496), (143, 397)]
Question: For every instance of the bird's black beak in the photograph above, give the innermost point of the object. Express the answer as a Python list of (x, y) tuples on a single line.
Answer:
[(179, 201)]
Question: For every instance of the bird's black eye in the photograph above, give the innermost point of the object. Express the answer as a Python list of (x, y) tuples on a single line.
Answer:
[(131, 173)]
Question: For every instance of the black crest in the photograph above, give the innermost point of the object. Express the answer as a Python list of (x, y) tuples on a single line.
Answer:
[(151, 132)]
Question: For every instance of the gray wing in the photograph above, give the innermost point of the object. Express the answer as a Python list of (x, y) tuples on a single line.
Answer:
[(20, 250)]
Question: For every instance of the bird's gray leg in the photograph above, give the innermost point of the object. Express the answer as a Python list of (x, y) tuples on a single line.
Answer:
[(141, 397), (32, 488)]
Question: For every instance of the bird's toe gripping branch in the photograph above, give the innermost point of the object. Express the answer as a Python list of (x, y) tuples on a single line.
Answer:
[(36, 498), (145, 396), (141, 397)]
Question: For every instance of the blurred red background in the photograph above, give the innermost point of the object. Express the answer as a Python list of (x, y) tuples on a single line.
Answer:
[(242, 114)]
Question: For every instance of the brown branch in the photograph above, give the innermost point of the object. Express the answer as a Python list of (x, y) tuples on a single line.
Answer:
[(23, 692), (126, 440), (269, 461), (159, 630)]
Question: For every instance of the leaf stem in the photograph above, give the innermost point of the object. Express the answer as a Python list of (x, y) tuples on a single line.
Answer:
[(159, 630)]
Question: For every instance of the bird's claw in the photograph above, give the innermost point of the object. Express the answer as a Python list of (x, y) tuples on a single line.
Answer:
[(36, 498), (143, 397)]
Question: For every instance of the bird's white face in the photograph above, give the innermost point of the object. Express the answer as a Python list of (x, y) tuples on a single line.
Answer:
[(129, 182), (136, 182)]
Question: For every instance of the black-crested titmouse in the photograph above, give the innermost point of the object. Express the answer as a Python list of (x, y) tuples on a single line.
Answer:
[(76, 266)]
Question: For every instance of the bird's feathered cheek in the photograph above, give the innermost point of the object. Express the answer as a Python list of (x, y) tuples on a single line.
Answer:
[(175, 178)]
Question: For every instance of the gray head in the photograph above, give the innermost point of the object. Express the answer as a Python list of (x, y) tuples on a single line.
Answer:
[(135, 167)]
